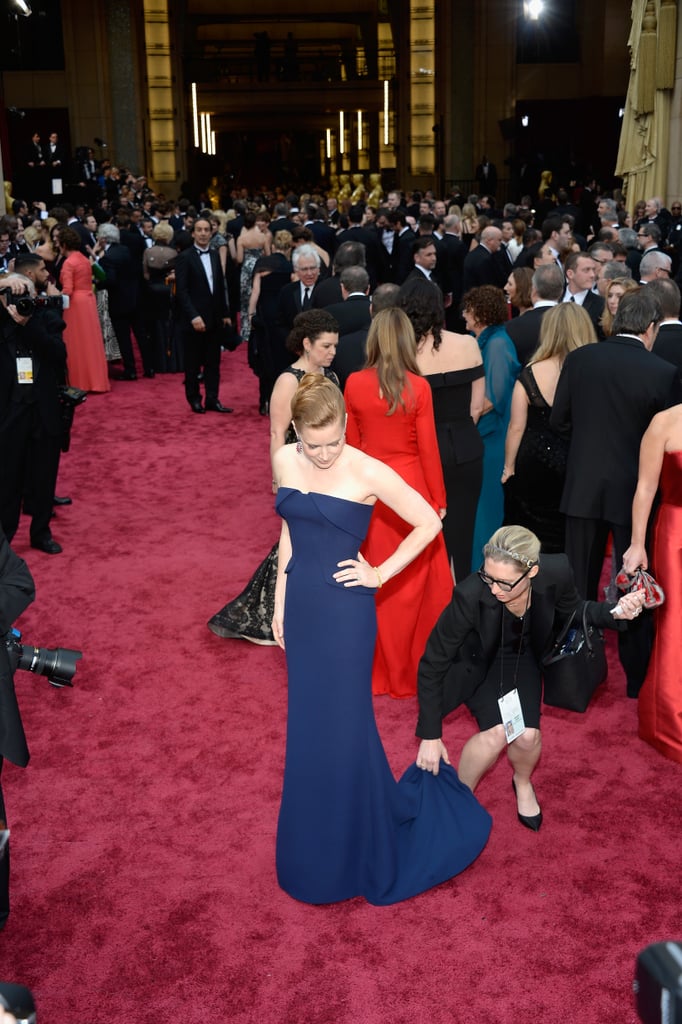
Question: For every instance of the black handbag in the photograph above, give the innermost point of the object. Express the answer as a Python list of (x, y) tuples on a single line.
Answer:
[(575, 667)]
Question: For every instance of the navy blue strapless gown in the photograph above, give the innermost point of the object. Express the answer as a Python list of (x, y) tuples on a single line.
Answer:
[(346, 827)]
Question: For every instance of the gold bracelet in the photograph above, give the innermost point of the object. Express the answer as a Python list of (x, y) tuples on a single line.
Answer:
[(381, 582)]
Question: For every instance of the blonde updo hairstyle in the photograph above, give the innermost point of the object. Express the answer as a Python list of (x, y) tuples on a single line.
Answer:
[(513, 545), (317, 403)]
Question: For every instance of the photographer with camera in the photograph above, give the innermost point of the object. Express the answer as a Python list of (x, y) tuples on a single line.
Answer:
[(32, 369), (16, 593)]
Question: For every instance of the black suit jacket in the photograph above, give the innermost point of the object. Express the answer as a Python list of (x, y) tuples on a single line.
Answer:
[(351, 315), (466, 637), (122, 282), (594, 307), (192, 293), (524, 331), (327, 292), (605, 399), (482, 267), (16, 593), (289, 304), (375, 255), (351, 354), (668, 345)]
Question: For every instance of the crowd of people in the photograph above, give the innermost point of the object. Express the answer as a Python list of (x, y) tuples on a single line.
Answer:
[(457, 396)]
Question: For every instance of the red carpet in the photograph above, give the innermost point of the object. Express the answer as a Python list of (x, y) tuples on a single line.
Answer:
[(143, 829)]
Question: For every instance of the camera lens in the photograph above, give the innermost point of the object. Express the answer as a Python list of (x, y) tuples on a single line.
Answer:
[(24, 305)]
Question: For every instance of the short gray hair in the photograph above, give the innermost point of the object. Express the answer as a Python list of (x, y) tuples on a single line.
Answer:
[(108, 233), (549, 283), (653, 261), (305, 250)]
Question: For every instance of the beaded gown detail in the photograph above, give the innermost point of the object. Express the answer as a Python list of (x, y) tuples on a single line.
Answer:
[(346, 827)]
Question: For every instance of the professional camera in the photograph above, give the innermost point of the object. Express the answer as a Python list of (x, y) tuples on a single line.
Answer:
[(26, 306), (58, 666)]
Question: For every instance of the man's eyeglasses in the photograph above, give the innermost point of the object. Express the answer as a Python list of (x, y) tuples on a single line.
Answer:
[(504, 585)]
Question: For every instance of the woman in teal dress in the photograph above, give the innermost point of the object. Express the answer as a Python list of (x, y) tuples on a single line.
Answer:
[(485, 313)]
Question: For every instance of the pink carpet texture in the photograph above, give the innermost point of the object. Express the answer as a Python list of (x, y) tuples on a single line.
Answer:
[(143, 829)]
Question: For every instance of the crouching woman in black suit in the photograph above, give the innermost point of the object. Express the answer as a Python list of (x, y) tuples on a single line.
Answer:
[(490, 641)]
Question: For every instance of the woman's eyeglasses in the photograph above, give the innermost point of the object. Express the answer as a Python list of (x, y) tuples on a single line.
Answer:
[(504, 585)]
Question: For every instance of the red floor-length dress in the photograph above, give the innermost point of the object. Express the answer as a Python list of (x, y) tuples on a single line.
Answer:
[(86, 361), (409, 604), (660, 699)]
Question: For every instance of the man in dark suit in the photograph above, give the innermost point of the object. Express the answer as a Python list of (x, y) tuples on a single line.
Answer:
[(546, 291), (327, 292), (201, 299), (281, 221), (32, 367), (298, 296), (455, 253), (351, 351), (17, 590), (581, 274), (353, 313), (668, 344), (122, 284), (606, 397), (376, 259), (486, 176), (481, 265), (424, 260), (401, 261)]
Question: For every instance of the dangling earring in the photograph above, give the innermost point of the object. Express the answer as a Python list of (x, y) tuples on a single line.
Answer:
[(299, 446)]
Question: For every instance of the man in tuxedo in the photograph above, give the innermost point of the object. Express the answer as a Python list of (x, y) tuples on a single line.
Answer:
[(455, 253), (605, 399), (328, 292), (351, 351), (201, 299), (353, 313), (56, 163), (401, 261), (281, 221), (486, 176), (547, 290), (424, 259), (480, 264), (655, 265), (581, 274), (122, 284), (298, 296), (668, 344), (376, 259)]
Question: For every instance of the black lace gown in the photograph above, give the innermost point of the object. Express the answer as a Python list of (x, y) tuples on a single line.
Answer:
[(532, 495)]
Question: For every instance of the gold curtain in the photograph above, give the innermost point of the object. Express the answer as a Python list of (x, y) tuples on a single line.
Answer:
[(644, 141)]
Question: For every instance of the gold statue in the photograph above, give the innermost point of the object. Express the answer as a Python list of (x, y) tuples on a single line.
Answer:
[(376, 194), (344, 191), (213, 193), (358, 193)]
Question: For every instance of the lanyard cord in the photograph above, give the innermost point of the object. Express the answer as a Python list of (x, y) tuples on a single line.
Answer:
[(520, 647)]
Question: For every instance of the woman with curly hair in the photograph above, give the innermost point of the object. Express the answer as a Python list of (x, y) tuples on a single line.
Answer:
[(390, 417), (452, 365), (485, 313)]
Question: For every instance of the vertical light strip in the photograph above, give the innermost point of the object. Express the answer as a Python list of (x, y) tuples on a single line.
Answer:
[(203, 132), (195, 114), (208, 134), (359, 130), (341, 132), (212, 143), (329, 143), (386, 114)]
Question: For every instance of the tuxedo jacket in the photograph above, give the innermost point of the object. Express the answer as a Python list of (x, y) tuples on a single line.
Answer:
[(351, 315), (466, 638), (327, 293), (594, 307), (376, 256), (481, 267), (57, 158), (668, 345), (122, 280), (289, 304), (192, 292), (401, 257), (524, 331), (16, 593), (605, 399)]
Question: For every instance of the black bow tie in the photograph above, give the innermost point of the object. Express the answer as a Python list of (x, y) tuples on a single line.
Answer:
[(203, 252)]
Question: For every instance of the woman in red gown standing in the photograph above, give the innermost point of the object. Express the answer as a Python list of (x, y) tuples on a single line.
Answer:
[(86, 361), (660, 464), (390, 417)]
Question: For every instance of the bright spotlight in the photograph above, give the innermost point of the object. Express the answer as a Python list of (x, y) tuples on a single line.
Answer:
[(23, 7), (533, 9)]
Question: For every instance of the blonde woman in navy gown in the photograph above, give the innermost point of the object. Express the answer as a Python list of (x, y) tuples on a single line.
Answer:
[(346, 827)]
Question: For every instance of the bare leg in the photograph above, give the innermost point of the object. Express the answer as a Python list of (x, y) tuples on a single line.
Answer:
[(523, 755), (479, 754)]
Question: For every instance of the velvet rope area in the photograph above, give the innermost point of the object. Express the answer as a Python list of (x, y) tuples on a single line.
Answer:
[(143, 829)]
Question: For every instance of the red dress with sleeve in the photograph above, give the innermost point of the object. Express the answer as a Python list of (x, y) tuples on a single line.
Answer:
[(408, 605)]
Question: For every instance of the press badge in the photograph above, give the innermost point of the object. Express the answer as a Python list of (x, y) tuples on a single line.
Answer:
[(512, 715), (24, 370)]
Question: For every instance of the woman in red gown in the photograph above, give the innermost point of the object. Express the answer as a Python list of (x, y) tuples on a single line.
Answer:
[(390, 417), (86, 361), (660, 464)]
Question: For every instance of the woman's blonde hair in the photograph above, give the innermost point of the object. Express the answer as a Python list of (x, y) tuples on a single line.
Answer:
[(565, 327), (628, 285), (513, 545), (317, 402), (392, 352)]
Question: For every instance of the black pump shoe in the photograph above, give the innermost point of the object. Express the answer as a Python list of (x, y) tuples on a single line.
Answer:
[(532, 822)]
